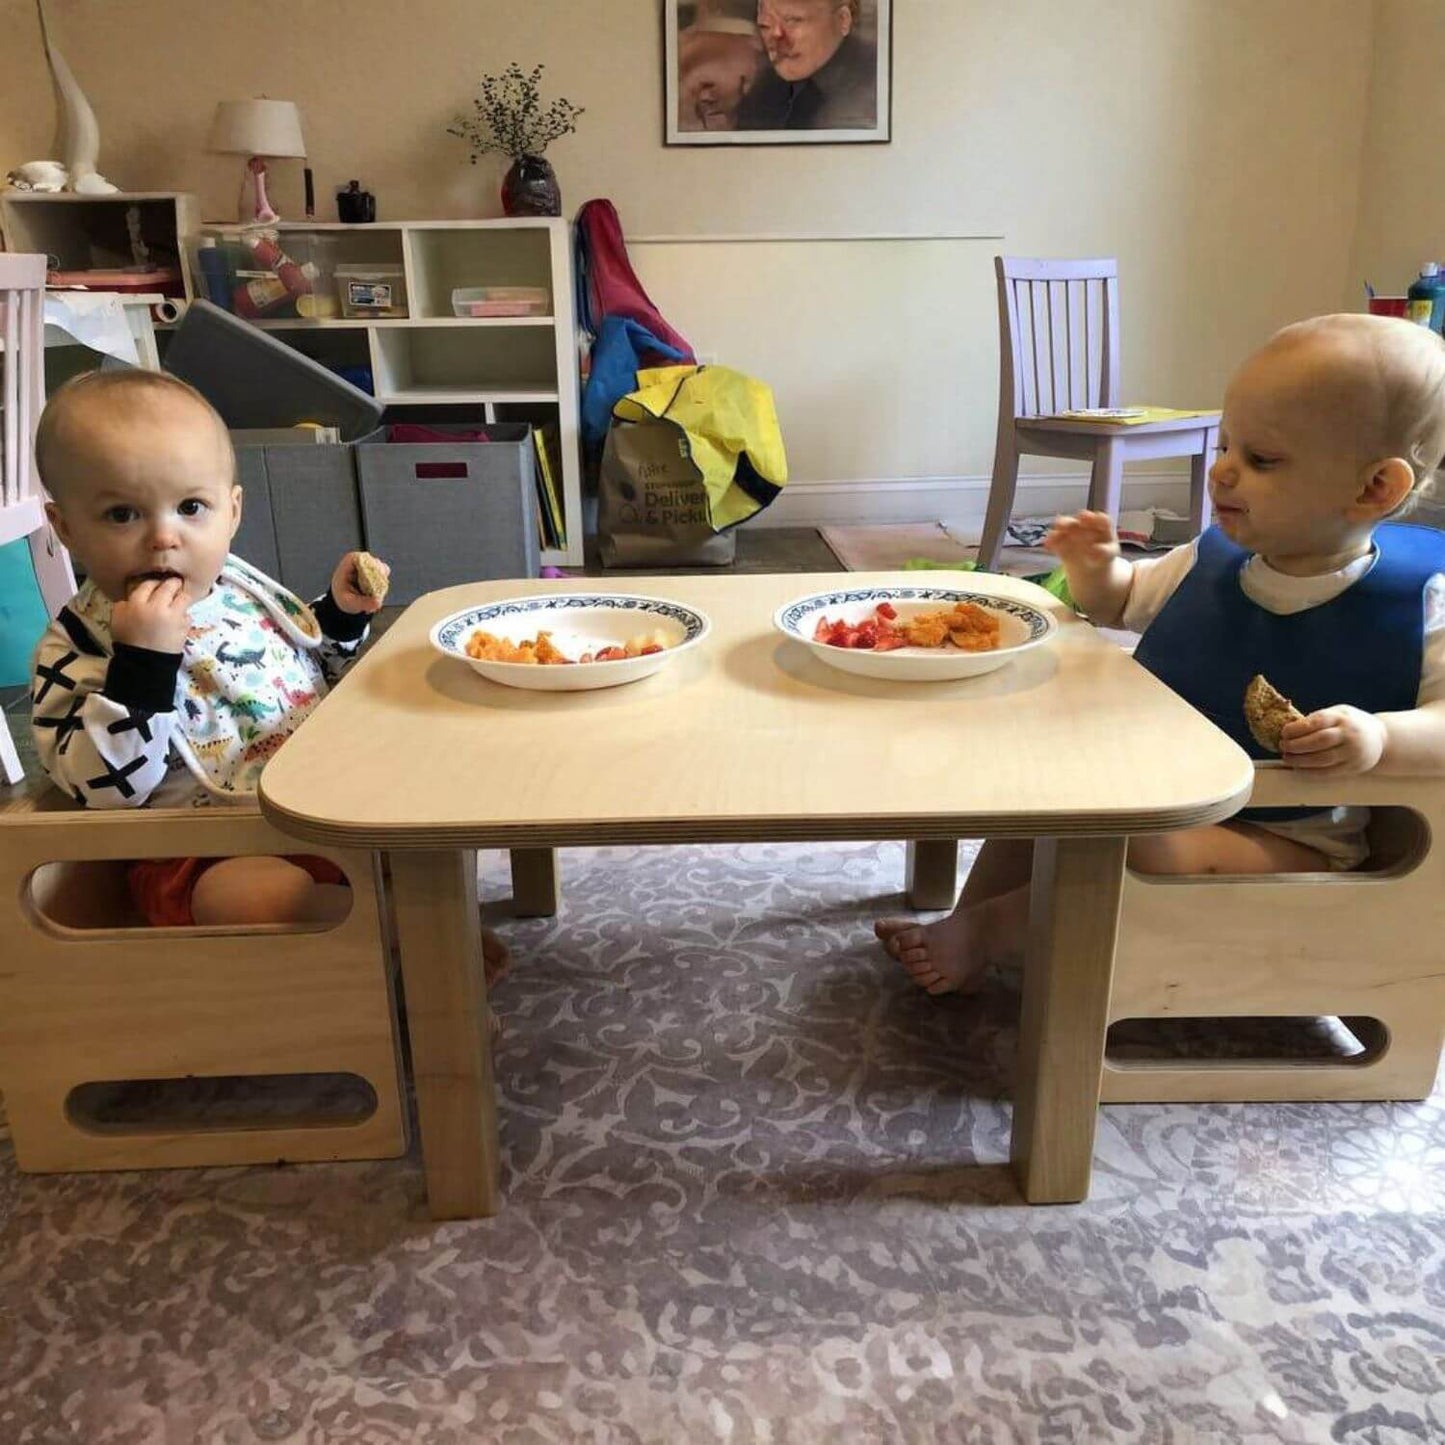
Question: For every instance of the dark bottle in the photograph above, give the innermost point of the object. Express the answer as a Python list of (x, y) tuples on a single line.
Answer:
[(355, 206)]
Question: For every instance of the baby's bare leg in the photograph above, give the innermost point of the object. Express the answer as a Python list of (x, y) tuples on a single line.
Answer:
[(988, 922), (1223, 848), (239, 891), (496, 956), (991, 918)]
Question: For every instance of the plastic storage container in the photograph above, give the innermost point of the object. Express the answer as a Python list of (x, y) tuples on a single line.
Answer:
[(267, 275), (501, 301), (371, 291)]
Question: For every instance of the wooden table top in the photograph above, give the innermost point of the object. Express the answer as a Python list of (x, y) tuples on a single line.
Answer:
[(747, 737)]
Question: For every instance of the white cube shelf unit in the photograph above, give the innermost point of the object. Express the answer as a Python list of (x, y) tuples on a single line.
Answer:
[(520, 368)]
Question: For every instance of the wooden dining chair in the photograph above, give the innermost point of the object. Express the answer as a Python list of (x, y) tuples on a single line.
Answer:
[(22, 395), (1059, 351)]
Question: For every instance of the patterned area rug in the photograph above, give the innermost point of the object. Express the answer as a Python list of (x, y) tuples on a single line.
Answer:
[(886, 546), (756, 1191)]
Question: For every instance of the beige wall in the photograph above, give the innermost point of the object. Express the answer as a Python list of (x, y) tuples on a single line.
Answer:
[(1402, 192), (1212, 145)]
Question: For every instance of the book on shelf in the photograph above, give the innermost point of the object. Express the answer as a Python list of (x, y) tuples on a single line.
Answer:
[(545, 535), (547, 440)]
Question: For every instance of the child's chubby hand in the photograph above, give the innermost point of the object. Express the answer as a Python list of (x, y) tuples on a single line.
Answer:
[(346, 589), (155, 614), (1339, 739), (1086, 541)]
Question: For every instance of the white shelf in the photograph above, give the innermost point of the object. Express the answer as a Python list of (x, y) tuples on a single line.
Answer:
[(303, 323), (464, 396), (518, 223), (442, 360)]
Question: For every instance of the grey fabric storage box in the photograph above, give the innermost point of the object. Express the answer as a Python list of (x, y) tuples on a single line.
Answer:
[(316, 512), (300, 512), (440, 514), (255, 539)]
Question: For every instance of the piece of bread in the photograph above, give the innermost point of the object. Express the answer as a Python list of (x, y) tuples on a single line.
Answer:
[(372, 579), (1267, 710)]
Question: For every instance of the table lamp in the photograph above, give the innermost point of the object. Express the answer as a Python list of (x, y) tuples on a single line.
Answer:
[(258, 129)]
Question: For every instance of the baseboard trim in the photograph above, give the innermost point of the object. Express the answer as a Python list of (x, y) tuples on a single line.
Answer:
[(873, 501)]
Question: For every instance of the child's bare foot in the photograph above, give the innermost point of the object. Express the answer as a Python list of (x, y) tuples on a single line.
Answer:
[(943, 957), (496, 957)]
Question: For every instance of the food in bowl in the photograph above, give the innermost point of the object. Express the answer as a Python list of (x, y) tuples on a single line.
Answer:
[(964, 626), (541, 651)]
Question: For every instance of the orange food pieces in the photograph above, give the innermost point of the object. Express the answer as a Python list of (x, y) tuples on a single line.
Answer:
[(541, 651), (486, 647)]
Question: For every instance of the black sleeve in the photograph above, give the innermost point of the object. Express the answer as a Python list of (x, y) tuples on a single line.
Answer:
[(143, 679), (338, 625)]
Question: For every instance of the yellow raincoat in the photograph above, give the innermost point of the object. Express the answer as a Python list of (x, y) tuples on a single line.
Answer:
[(732, 432)]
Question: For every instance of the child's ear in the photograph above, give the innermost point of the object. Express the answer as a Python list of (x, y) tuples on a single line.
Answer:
[(1387, 484), (236, 498), (56, 519)]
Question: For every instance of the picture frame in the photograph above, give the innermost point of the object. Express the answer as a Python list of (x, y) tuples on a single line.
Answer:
[(777, 72)]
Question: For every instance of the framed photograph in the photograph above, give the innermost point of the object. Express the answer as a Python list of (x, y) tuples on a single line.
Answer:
[(777, 72)]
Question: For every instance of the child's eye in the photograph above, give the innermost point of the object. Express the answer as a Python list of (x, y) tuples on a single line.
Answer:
[(1259, 463), (120, 515), (192, 507)]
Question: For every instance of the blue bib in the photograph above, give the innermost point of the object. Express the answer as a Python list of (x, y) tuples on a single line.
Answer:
[(1365, 647)]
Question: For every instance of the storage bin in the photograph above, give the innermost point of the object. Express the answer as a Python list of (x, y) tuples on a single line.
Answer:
[(267, 275), (300, 512), (371, 291), (445, 513), (501, 301)]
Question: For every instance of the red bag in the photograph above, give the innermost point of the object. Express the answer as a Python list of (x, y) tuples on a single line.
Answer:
[(606, 282)]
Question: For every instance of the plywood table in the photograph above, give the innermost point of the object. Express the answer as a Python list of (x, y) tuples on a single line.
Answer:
[(749, 738)]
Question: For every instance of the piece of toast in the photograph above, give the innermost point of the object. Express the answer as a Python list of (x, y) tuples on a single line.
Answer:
[(372, 579), (1267, 711)]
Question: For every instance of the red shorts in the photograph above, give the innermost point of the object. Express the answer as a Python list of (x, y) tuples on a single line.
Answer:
[(162, 887)]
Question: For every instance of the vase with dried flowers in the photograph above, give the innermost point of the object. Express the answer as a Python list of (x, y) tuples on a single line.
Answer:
[(509, 118)]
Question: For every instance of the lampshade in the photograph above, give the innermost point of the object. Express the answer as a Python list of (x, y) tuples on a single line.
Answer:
[(257, 128)]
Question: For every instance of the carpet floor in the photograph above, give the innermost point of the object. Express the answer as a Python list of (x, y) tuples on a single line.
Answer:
[(755, 1191)]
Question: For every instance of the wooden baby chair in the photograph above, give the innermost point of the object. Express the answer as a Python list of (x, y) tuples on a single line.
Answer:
[(1058, 327), (88, 994), (22, 395), (1363, 944)]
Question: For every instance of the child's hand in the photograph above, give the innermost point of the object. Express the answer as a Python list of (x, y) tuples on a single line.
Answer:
[(1335, 739), (1087, 542), (345, 589), (155, 614)]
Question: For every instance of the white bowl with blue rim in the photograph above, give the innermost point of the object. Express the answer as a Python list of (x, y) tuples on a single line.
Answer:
[(578, 623), (1022, 627)]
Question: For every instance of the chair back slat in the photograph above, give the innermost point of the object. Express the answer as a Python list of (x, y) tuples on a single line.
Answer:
[(1059, 322), (10, 396), (22, 382), (1109, 361), (22, 398), (1039, 346)]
